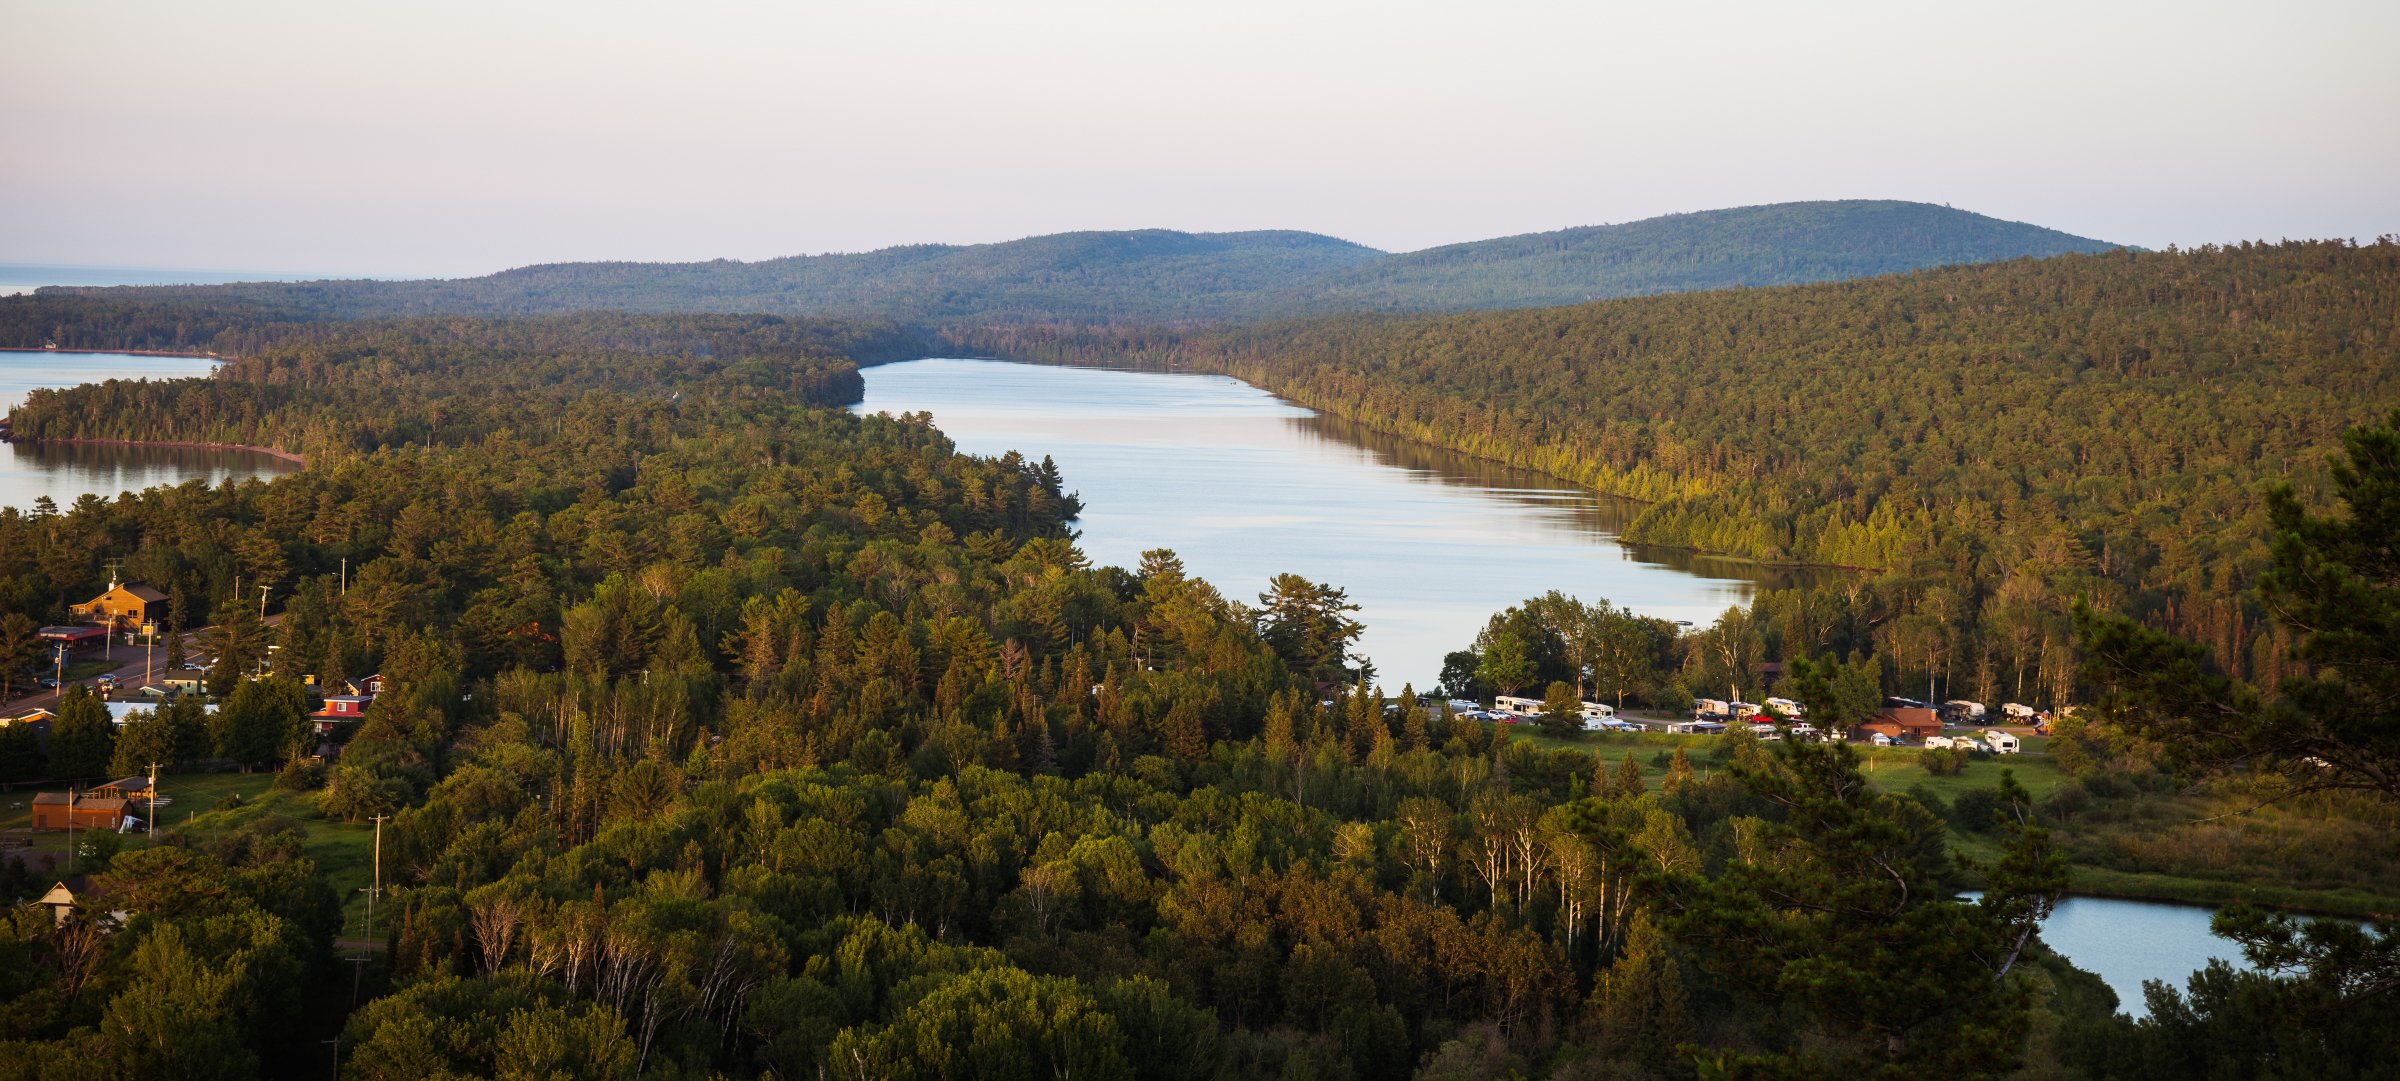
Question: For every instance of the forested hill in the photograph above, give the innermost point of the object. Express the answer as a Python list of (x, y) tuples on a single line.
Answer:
[(2007, 436), (1151, 275), (1158, 276), (1778, 244)]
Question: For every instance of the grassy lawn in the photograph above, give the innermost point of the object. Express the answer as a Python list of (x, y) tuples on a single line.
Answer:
[(343, 851), (191, 795)]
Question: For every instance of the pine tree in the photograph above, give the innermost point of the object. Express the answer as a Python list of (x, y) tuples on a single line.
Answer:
[(1629, 778), (81, 739)]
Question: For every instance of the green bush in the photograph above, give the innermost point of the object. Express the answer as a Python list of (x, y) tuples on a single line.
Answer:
[(1973, 810)]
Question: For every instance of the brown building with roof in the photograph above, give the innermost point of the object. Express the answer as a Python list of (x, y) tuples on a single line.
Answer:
[(128, 788), (54, 811), (1905, 723), (123, 607)]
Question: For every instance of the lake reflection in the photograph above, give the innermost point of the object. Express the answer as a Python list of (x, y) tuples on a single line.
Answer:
[(65, 472), (1244, 485)]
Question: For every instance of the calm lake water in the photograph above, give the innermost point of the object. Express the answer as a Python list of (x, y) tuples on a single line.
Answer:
[(2127, 942), (65, 473), (1244, 486)]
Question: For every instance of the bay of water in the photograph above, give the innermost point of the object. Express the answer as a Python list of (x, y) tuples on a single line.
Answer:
[(65, 472), (1243, 486), (2126, 942)]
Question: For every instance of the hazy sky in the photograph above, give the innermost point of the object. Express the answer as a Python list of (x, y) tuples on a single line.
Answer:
[(457, 138)]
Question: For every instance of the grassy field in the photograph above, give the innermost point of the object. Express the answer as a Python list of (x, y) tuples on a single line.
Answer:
[(2201, 848), (1899, 768), (191, 795), (343, 851)]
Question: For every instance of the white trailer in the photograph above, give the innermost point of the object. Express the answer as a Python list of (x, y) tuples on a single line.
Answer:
[(2000, 742)]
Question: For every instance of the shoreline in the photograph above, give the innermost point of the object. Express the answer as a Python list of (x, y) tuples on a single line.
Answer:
[(177, 444), (120, 352), (1188, 368)]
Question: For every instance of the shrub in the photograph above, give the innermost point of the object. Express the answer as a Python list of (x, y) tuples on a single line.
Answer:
[(1945, 762), (1973, 810), (301, 775)]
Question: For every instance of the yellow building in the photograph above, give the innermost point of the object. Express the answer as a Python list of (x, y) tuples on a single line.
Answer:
[(123, 607)]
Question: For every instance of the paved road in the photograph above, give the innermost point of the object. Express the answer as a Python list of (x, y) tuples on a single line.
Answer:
[(129, 672)]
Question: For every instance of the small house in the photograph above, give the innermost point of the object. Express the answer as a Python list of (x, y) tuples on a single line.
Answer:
[(340, 709), (61, 899)]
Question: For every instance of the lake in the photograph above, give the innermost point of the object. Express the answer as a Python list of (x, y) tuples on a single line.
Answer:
[(65, 472), (1243, 486), (2125, 942)]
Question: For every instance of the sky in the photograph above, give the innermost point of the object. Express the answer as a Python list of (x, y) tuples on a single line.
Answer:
[(432, 138)]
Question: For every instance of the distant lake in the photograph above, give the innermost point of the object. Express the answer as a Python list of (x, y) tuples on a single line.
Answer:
[(18, 278), (65, 472), (1243, 486)]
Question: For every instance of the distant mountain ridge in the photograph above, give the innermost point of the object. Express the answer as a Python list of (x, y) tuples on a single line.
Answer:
[(1158, 275), (1776, 244)]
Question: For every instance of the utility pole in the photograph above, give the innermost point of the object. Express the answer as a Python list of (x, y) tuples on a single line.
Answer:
[(378, 887), (262, 602), (153, 816), (358, 964), (70, 829), (345, 576)]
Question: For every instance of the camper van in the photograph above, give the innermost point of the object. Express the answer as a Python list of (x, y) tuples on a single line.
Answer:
[(1513, 704), (1962, 707), (2018, 711), (1786, 706)]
